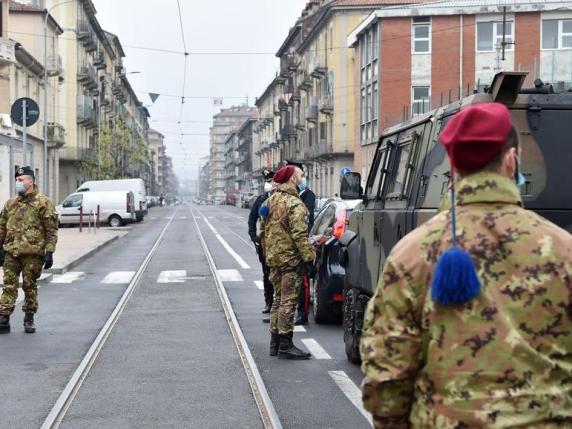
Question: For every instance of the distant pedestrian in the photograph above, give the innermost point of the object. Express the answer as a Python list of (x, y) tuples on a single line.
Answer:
[(28, 237), (254, 236), (289, 255), (470, 325), (161, 200), (309, 199)]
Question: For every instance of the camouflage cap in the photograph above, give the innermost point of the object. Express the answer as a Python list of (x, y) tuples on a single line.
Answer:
[(24, 171)]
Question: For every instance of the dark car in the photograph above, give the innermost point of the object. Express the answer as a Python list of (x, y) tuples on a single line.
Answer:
[(327, 288)]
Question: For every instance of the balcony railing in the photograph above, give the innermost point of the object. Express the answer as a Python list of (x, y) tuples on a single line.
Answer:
[(319, 72), (306, 82), (7, 51), (77, 154), (86, 114), (327, 105), (99, 60), (312, 114), (86, 36), (86, 75), (54, 65), (56, 135)]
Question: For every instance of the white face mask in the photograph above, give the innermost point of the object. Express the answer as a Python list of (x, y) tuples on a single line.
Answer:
[(267, 187)]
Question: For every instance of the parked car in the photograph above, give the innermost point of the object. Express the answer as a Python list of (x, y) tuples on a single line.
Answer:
[(137, 186), (320, 203), (116, 208), (327, 287)]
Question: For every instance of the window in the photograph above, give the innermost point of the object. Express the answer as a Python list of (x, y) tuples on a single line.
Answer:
[(369, 89), (73, 201), (420, 103), (556, 34), (489, 36), (421, 35), (398, 186)]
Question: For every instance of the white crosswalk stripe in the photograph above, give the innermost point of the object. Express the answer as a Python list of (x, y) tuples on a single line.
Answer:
[(68, 277), (118, 277), (299, 329), (316, 349), (352, 392), (172, 276), (259, 284), (230, 275)]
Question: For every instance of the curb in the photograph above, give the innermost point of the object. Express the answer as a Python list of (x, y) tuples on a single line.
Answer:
[(90, 252)]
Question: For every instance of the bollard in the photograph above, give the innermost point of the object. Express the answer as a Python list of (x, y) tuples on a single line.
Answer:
[(97, 220), (80, 218)]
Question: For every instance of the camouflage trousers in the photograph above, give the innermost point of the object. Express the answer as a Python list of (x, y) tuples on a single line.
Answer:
[(287, 283), (31, 269)]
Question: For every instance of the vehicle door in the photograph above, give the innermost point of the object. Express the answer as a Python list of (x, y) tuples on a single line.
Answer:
[(322, 229), (397, 193), (368, 221), (71, 209)]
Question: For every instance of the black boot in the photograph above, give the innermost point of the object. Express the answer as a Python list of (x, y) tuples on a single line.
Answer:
[(4, 324), (29, 327), (288, 350), (267, 309), (274, 344), (301, 319)]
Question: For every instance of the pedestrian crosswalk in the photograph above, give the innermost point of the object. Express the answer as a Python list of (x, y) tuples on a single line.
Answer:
[(118, 277), (68, 277)]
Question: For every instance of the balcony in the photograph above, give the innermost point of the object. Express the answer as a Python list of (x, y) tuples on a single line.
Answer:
[(282, 105), (312, 114), (286, 132), (86, 75), (7, 51), (119, 93), (319, 72), (77, 154), (292, 62), (295, 96), (99, 60), (327, 105), (56, 135), (306, 83), (86, 114), (54, 66), (86, 36)]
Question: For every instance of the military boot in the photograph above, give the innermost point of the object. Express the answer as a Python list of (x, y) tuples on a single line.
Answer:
[(274, 344), (288, 350), (4, 324), (29, 327)]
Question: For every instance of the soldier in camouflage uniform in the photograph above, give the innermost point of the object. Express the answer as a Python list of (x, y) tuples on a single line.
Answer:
[(502, 358), (28, 236), (289, 255)]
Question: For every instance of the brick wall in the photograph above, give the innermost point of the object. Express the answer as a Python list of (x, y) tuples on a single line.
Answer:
[(445, 59), (527, 48)]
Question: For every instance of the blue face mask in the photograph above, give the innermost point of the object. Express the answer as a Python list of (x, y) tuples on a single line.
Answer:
[(20, 188), (519, 177), (302, 185)]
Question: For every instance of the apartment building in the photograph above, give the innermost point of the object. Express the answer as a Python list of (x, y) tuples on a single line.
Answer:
[(224, 123), (156, 154), (23, 63), (411, 59), (318, 107), (268, 153)]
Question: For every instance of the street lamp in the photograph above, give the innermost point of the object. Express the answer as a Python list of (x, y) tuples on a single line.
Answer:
[(48, 12)]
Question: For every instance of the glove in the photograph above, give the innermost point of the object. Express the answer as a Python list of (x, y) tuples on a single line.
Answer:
[(1, 257), (310, 269), (48, 260)]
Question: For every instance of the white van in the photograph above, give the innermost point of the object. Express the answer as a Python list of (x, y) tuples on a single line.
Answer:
[(137, 186), (115, 207)]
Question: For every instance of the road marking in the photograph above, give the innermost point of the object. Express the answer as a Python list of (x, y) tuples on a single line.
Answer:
[(182, 217), (230, 275), (352, 392), (69, 277), (118, 277), (299, 329), (229, 249), (317, 351), (172, 276), (259, 284), (169, 217)]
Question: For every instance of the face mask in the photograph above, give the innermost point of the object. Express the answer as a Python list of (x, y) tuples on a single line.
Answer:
[(518, 176), (267, 187), (302, 185), (20, 188)]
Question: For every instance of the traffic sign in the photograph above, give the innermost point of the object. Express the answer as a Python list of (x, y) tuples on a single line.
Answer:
[(32, 112), (346, 170)]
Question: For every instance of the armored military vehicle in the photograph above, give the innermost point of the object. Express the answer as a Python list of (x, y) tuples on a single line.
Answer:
[(410, 174)]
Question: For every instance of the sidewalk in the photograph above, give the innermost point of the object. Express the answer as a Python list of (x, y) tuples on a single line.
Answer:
[(74, 247)]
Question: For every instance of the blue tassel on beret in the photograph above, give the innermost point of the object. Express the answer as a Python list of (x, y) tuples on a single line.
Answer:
[(455, 279), (264, 210)]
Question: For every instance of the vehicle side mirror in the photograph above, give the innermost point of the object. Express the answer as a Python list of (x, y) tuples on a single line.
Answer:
[(350, 188)]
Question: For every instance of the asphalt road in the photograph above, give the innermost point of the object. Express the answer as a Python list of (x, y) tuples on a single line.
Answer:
[(170, 360)]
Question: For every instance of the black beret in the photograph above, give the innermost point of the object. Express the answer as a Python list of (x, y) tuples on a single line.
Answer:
[(295, 164), (267, 174), (24, 171)]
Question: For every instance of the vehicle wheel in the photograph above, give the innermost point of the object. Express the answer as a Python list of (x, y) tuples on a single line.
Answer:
[(351, 331), (115, 221), (322, 312)]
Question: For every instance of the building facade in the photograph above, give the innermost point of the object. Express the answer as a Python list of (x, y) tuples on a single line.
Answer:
[(410, 60)]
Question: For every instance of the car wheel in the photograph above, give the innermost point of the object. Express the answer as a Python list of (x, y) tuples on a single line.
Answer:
[(351, 336), (115, 221), (322, 312)]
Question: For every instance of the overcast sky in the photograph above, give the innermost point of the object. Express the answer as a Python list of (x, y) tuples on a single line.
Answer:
[(215, 26)]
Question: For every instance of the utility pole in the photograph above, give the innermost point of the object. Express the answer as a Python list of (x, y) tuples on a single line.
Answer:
[(503, 44)]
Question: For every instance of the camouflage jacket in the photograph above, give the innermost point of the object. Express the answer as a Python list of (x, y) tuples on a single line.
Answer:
[(501, 360), (284, 233), (29, 225)]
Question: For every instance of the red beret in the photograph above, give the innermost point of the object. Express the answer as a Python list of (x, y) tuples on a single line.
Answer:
[(284, 174), (476, 135)]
